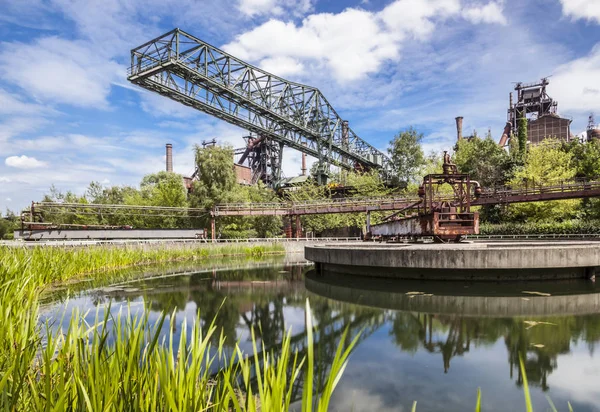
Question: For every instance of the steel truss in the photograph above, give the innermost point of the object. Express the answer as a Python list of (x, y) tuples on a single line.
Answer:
[(186, 69), (264, 157)]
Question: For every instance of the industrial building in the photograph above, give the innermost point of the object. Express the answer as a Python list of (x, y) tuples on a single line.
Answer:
[(541, 111), (593, 130)]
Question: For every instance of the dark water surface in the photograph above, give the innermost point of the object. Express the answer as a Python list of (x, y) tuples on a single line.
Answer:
[(436, 347)]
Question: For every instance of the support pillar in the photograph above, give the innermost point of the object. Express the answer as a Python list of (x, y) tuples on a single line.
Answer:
[(288, 226), (298, 227), (213, 227), (368, 222)]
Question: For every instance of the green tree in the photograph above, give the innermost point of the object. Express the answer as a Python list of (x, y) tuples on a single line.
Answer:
[(264, 226), (364, 185), (586, 157), (164, 189), (6, 227), (217, 184), (522, 136), (513, 148), (407, 154), (484, 160), (546, 163), (216, 177)]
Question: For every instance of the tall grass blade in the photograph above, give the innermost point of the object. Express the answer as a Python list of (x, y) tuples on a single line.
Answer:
[(528, 405), (478, 403)]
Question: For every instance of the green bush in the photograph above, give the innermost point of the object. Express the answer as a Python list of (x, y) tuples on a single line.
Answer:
[(568, 227)]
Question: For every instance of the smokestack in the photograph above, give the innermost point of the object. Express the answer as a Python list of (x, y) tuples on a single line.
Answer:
[(459, 120), (303, 161), (169, 157)]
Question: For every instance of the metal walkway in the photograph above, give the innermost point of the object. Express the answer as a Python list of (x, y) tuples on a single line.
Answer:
[(503, 195)]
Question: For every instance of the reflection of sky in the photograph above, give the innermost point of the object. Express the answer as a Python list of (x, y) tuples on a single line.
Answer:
[(382, 377)]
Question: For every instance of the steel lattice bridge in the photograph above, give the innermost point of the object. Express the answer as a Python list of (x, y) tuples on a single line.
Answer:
[(190, 71)]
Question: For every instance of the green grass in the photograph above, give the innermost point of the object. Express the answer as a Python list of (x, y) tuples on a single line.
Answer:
[(49, 264)]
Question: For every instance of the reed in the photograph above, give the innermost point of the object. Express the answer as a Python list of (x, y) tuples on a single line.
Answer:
[(47, 265)]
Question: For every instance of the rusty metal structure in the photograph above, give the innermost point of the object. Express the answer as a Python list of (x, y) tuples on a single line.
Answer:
[(287, 114), (593, 130), (440, 215), (264, 157), (505, 134), (534, 103)]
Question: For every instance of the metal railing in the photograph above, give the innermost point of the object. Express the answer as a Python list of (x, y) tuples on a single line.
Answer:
[(557, 236)]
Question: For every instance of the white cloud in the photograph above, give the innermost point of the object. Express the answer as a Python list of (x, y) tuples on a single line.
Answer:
[(351, 44), (282, 65), (24, 162), (252, 7), (582, 9), (416, 18), (11, 104), (490, 13), (274, 7), (576, 85), (14, 126), (58, 70), (8, 199), (160, 106), (4, 179)]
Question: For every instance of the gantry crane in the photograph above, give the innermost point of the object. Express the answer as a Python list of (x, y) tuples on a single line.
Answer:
[(288, 114)]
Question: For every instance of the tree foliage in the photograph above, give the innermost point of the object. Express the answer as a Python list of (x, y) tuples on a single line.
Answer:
[(547, 163), (216, 177), (522, 136), (484, 160), (407, 154), (364, 185), (586, 157)]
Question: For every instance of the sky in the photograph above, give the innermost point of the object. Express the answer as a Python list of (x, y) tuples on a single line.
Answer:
[(68, 115)]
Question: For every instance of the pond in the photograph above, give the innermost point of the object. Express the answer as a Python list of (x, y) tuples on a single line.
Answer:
[(432, 342)]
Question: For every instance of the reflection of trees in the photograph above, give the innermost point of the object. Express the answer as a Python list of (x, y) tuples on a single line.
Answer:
[(410, 329), (448, 335), (167, 302), (539, 362), (214, 305), (453, 336)]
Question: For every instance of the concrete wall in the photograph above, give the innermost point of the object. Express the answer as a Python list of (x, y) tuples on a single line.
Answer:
[(471, 261), (469, 256)]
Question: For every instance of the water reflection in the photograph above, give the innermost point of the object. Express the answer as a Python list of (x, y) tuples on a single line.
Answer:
[(431, 342), (450, 319)]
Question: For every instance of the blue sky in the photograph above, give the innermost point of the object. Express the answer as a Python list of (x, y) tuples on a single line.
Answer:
[(68, 115)]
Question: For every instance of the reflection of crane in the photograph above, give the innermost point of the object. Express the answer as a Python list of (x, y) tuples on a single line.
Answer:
[(192, 72), (327, 337)]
